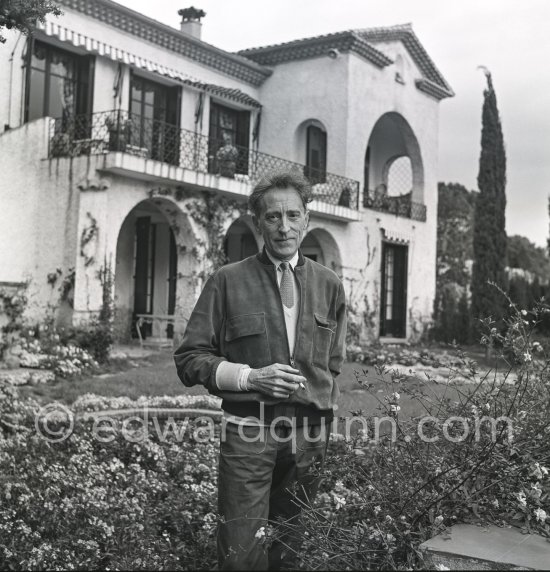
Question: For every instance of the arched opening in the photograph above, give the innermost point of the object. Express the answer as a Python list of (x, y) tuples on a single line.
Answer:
[(146, 274), (319, 245), (240, 241), (393, 162), (399, 177)]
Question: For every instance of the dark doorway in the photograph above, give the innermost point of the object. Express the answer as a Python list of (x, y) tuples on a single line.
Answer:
[(393, 319), (144, 269)]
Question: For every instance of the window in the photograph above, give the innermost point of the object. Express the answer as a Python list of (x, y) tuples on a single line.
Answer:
[(228, 128), (154, 112), (316, 155), (58, 83)]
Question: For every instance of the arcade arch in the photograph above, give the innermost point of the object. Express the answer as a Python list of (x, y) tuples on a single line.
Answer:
[(393, 160)]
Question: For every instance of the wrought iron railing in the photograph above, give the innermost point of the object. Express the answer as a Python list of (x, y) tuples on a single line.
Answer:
[(123, 131), (401, 205)]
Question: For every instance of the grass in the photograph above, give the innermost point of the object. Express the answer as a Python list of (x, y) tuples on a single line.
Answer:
[(156, 375)]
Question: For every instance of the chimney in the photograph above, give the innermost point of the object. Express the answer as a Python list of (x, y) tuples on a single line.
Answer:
[(191, 21)]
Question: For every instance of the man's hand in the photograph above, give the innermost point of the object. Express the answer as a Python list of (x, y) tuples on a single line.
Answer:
[(276, 380)]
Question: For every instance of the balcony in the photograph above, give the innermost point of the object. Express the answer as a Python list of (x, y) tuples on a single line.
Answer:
[(401, 205), (122, 132)]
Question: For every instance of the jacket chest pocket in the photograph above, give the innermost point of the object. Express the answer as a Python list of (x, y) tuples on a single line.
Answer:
[(246, 340), (323, 332)]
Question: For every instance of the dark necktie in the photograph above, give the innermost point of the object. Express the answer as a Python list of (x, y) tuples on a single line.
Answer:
[(286, 287)]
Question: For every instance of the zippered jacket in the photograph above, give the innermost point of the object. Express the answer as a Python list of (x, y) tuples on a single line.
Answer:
[(239, 318)]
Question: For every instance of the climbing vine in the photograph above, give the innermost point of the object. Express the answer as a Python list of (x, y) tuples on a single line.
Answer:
[(89, 234), (211, 212)]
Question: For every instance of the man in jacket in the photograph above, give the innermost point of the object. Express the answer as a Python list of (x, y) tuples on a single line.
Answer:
[(267, 336)]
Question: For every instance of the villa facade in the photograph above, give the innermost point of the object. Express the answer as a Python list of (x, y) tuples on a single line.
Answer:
[(129, 147)]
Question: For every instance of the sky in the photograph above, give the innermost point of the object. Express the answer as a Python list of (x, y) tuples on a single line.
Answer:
[(510, 37)]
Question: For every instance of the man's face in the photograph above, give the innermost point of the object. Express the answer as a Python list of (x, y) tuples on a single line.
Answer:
[(282, 222)]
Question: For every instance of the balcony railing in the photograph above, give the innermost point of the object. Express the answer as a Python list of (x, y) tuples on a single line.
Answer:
[(401, 205), (160, 141)]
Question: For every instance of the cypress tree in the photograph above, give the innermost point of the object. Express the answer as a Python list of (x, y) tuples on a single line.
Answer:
[(489, 216)]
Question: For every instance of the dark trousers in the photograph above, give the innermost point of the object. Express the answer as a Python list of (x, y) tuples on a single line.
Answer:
[(263, 471)]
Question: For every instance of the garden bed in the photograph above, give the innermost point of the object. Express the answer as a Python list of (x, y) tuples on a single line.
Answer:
[(142, 495)]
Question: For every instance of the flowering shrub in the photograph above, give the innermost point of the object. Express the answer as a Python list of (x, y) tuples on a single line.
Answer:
[(92, 402), (48, 352), (399, 354), (87, 504), (381, 497), (480, 454)]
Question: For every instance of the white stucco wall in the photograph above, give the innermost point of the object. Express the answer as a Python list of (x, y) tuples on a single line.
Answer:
[(11, 79), (39, 211), (300, 91), (348, 95), (47, 205)]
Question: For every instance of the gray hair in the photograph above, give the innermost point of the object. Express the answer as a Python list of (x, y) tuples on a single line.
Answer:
[(280, 179)]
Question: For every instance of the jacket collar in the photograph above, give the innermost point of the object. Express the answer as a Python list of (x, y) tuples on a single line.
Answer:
[(264, 258)]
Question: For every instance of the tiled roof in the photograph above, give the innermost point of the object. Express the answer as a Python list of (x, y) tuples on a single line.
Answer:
[(405, 34), (169, 38), (361, 42), (317, 46), (234, 94)]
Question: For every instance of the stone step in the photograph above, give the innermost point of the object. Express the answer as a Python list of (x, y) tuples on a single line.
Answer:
[(471, 547)]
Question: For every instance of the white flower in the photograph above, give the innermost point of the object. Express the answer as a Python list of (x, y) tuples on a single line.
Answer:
[(536, 491), (340, 502), (524, 312), (521, 498), (389, 518), (438, 520), (260, 533), (537, 347), (338, 486), (540, 515), (527, 357), (377, 509), (494, 502), (396, 396)]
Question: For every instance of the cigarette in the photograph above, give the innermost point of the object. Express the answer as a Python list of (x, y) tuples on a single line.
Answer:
[(302, 385)]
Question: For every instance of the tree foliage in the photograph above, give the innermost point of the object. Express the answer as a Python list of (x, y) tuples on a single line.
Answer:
[(489, 216), (455, 214), (522, 253), (22, 14)]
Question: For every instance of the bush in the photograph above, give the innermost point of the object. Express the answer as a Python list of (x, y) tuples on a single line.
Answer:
[(381, 497), (95, 337), (150, 504), (86, 504)]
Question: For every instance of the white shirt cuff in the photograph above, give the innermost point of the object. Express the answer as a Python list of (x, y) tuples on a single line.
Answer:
[(232, 376)]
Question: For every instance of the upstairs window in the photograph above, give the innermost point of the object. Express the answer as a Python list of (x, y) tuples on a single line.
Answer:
[(316, 155), (229, 137), (58, 83), (154, 111)]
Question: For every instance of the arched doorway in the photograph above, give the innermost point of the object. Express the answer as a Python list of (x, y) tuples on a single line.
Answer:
[(146, 274), (319, 245), (240, 241)]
